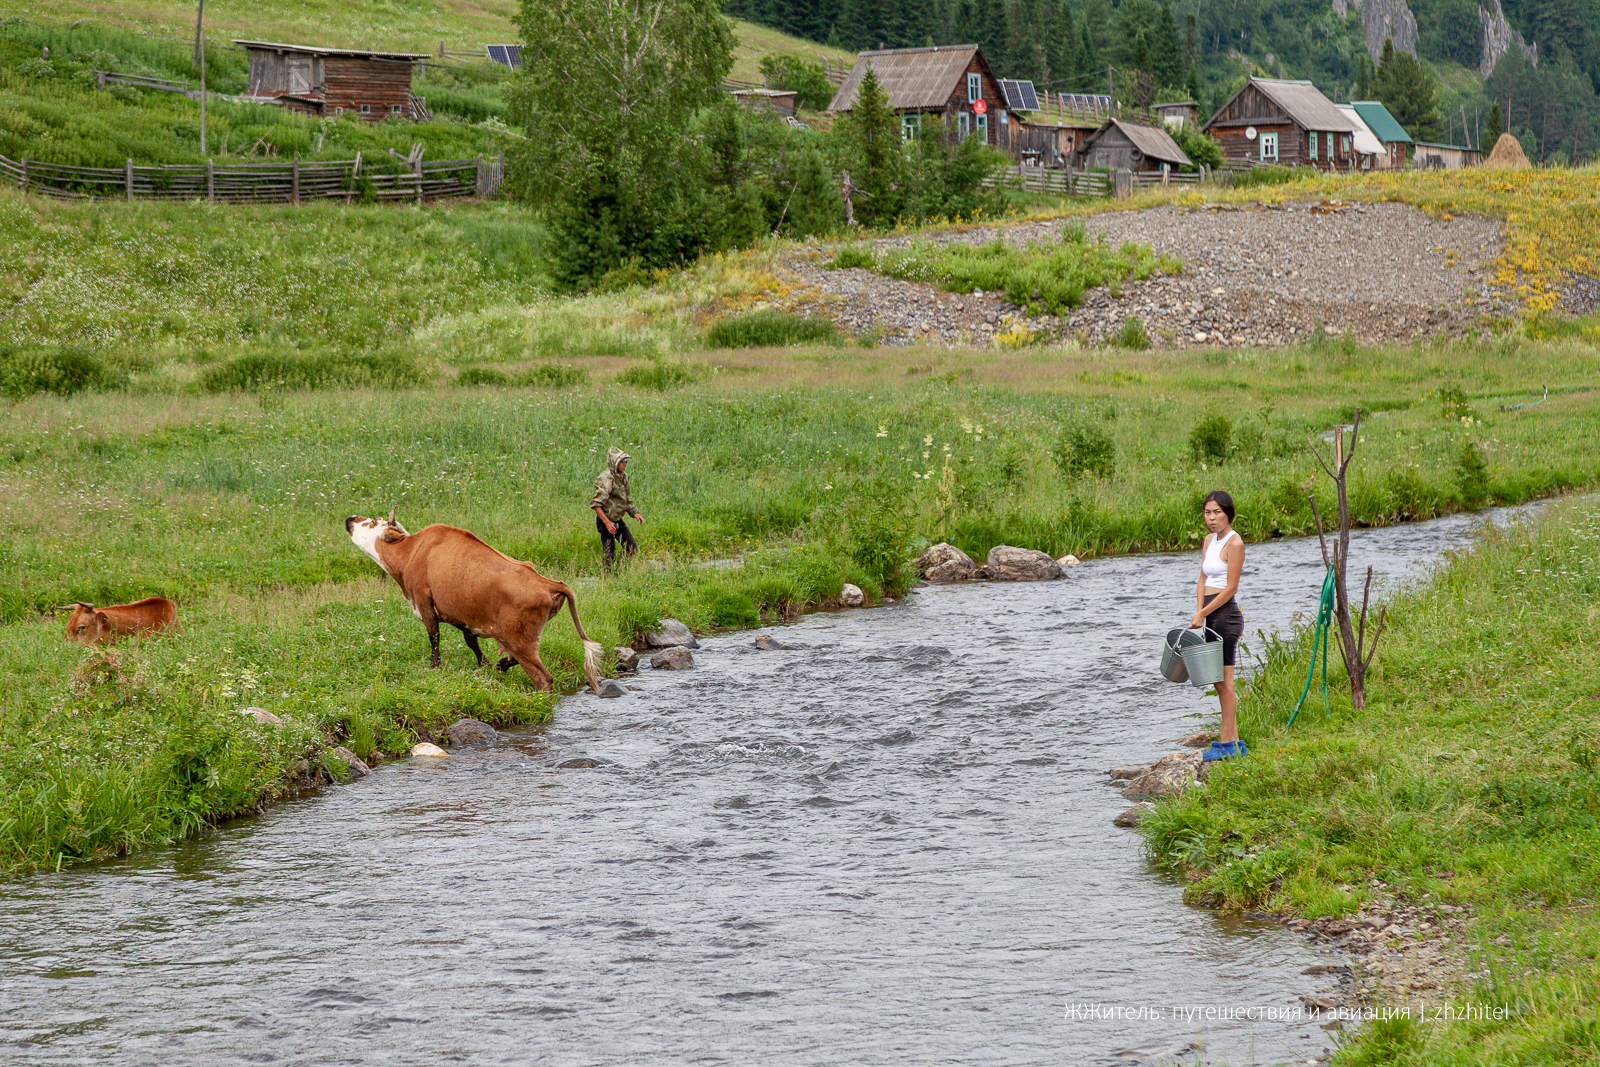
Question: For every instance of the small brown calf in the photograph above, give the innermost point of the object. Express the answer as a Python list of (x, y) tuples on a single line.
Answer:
[(101, 626)]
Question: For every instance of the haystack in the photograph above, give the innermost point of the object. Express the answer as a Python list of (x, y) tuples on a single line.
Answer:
[(1507, 154)]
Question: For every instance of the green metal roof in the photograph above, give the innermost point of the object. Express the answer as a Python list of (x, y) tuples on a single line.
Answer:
[(1380, 122)]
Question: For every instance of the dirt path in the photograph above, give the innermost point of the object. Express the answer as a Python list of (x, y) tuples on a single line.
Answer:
[(1253, 275)]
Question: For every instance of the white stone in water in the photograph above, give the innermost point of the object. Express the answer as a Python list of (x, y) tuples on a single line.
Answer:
[(425, 749), (1070, 561), (851, 596)]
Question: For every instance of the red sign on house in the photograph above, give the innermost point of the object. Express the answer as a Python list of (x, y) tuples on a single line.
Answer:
[(979, 106)]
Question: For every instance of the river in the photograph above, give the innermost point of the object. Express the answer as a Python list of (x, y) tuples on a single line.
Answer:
[(890, 846)]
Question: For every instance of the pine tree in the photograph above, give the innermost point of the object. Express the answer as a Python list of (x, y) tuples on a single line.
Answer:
[(1064, 59), (1409, 93), (870, 151), (1493, 126), (1088, 79), (1364, 78), (1191, 60), (1166, 54)]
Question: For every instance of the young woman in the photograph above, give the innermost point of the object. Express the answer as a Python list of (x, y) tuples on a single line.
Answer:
[(1220, 563)]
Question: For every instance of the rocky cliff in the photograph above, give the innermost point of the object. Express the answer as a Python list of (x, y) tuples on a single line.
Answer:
[(1384, 20), (1498, 37)]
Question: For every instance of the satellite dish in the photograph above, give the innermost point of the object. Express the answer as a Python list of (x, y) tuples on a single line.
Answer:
[(1249, 133)]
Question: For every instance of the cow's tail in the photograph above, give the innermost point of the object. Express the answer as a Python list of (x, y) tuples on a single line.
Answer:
[(592, 650)]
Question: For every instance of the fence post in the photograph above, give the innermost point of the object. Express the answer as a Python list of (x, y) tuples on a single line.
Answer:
[(294, 181), (211, 179), (419, 179), (127, 178), (22, 183), (479, 187), (1165, 170)]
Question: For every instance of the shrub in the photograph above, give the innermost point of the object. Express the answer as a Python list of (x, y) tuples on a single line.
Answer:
[(314, 370), (1211, 438), (1268, 175), (851, 256), (482, 376), (658, 374), (1472, 476), (729, 607), (769, 329), (553, 375), (63, 371), (1084, 448), (1453, 402), (1133, 335)]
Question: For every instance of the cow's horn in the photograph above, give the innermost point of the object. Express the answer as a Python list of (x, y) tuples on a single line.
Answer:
[(391, 514)]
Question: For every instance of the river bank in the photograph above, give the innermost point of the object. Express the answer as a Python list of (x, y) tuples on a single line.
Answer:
[(1442, 840)]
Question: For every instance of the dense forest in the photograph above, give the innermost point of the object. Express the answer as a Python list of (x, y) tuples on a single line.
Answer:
[(1163, 49)]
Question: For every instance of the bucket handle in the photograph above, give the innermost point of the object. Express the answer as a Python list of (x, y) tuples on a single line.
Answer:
[(1191, 629)]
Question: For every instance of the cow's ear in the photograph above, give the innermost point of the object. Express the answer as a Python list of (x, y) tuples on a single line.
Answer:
[(390, 535), (102, 619)]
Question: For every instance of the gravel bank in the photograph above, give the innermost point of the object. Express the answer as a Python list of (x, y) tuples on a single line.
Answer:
[(1253, 275)]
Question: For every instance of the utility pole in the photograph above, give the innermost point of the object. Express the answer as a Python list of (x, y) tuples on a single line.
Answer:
[(200, 61)]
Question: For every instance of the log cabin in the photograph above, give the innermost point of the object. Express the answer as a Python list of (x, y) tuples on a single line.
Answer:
[(940, 84), (1288, 123), (333, 81)]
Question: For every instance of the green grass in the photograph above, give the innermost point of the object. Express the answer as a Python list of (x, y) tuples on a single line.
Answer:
[(1478, 753), (1049, 276), (760, 329)]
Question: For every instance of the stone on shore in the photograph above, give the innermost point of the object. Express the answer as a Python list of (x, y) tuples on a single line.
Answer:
[(355, 764), (1009, 564), (627, 658), (423, 748), (677, 658), (1129, 770), (471, 732), (1134, 815), (1200, 740), (262, 716), (1070, 561), (673, 634), (851, 596), (1168, 776), (613, 688), (945, 562)]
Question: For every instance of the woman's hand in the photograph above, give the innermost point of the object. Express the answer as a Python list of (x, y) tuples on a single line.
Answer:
[(1197, 620)]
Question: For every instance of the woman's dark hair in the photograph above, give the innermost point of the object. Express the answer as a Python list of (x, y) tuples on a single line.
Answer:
[(1223, 501)]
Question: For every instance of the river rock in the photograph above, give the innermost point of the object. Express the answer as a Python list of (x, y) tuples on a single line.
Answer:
[(945, 562), (613, 688), (677, 658), (1134, 815), (1168, 776), (577, 763), (771, 644), (1129, 770), (425, 749), (627, 658), (471, 732), (262, 716), (673, 634), (851, 596), (1070, 560), (355, 764), (1200, 740), (1009, 564)]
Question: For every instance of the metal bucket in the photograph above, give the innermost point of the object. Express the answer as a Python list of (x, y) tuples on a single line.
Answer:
[(1172, 668), (1204, 660)]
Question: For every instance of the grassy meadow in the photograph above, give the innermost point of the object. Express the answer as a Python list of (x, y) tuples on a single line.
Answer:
[(1470, 779)]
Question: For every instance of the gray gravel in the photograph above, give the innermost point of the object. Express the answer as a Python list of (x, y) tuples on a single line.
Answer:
[(1252, 275)]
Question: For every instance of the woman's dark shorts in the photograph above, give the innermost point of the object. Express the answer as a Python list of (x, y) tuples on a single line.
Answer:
[(1228, 622)]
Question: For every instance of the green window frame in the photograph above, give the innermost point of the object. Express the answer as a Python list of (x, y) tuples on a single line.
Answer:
[(1269, 147), (1313, 144), (981, 128), (910, 126), (962, 125), (974, 87)]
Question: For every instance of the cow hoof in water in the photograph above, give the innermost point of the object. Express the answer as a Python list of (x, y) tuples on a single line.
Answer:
[(471, 732), (613, 688), (425, 749)]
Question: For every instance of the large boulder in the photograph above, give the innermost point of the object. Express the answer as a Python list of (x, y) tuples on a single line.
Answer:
[(1008, 564), (851, 596), (945, 562), (627, 658), (677, 658), (471, 732), (1168, 776), (613, 688), (673, 634), (262, 716)]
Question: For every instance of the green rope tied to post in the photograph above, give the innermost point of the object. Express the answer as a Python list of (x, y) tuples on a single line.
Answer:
[(1319, 640)]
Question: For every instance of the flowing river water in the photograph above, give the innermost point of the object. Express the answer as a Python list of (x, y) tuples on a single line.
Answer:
[(890, 846)]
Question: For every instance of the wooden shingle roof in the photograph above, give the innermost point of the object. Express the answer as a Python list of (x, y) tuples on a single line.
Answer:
[(1154, 141), (913, 78), (1305, 104)]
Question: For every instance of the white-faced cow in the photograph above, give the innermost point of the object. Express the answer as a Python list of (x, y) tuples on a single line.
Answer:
[(101, 626), (451, 576)]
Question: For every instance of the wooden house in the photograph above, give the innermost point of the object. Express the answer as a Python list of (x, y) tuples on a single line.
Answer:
[(1284, 122), (1179, 113), (1123, 145), (1444, 156), (1370, 152), (1047, 140), (950, 84), (333, 81), (783, 101), (1386, 128)]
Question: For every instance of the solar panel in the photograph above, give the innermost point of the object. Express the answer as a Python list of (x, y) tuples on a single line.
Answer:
[(1030, 99), (507, 55), (1017, 93)]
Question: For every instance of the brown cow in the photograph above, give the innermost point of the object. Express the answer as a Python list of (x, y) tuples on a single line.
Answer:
[(451, 576), (100, 626)]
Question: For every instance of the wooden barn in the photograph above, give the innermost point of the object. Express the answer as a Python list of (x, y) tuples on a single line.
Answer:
[(951, 84), (1179, 113), (1046, 140), (783, 101), (1444, 156), (1284, 122), (332, 81), (1123, 145)]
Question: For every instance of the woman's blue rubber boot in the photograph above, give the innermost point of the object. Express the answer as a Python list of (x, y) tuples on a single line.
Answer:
[(1221, 750)]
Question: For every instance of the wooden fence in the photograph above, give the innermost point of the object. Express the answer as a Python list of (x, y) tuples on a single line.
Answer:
[(293, 182), (1055, 182)]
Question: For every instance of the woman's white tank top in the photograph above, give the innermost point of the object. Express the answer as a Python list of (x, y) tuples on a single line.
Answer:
[(1213, 566)]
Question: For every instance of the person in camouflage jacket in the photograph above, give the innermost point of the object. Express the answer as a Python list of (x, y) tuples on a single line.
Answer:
[(612, 506)]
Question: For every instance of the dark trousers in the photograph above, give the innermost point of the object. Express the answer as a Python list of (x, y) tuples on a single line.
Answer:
[(608, 541)]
